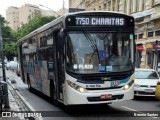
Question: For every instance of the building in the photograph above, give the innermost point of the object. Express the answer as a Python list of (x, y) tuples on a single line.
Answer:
[(147, 29), (12, 15), (16, 16)]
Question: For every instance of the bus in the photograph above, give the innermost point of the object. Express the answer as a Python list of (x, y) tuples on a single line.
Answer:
[(81, 58)]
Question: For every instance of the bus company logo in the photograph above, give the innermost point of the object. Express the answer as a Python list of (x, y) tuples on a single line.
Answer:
[(115, 83)]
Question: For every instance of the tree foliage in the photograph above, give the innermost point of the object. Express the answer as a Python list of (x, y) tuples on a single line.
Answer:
[(10, 37), (6, 31), (7, 34), (33, 24)]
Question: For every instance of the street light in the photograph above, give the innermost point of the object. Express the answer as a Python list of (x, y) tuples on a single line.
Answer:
[(50, 9)]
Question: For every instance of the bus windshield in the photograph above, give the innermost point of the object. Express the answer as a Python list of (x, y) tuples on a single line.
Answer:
[(97, 52)]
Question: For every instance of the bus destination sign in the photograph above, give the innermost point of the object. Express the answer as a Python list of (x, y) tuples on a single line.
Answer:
[(96, 21)]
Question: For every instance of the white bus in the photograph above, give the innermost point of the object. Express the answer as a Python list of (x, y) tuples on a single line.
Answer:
[(81, 58)]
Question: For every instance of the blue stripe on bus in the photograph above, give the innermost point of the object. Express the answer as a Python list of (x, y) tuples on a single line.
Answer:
[(124, 81), (102, 82)]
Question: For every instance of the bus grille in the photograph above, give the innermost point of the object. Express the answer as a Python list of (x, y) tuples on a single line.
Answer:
[(109, 78), (118, 87), (114, 97)]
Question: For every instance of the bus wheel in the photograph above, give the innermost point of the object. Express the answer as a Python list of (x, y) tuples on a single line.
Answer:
[(1, 105), (53, 94), (29, 83)]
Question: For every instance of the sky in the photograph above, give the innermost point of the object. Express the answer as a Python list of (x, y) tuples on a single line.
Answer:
[(53, 4)]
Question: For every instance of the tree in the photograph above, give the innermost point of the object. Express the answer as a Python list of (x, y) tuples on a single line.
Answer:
[(10, 36), (33, 24), (7, 33)]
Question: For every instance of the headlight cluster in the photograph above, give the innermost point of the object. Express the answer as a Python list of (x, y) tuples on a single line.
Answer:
[(127, 86), (76, 87)]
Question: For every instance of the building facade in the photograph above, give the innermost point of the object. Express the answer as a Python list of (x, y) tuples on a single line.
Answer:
[(12, 16), (147, 29), (16, 16)]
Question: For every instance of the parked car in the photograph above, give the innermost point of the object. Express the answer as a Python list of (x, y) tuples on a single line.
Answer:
[(157, 91), (12, 65), (145, 82)]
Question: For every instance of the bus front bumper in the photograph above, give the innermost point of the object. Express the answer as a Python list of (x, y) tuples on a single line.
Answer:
[(75, 97)]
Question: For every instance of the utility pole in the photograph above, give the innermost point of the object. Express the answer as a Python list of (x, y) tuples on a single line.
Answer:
[(1, 49), (3, 84)]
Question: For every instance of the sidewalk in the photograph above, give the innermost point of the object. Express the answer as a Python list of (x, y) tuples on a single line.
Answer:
[(16, 106)]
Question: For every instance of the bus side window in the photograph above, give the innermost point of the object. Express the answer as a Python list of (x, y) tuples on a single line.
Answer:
[(41, 55), (49, 54)]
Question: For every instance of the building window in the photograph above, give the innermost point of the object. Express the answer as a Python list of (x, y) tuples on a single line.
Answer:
[(135, 36), (152, 3), (140, 36), (118, 6), (137, 4), (131, 6), (143, 4), (150, 34), (105, 5), (109, 5), (157, 33), (125, 4)]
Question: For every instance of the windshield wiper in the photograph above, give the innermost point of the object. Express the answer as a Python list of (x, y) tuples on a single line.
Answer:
[(92, 43)]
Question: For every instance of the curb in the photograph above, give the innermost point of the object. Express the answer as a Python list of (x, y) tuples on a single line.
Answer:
[(24, 101)]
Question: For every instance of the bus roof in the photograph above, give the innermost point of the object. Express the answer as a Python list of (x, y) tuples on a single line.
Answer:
[(61, 19)]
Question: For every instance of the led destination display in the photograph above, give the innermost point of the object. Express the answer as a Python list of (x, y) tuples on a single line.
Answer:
[(100, 21), (111, 21)]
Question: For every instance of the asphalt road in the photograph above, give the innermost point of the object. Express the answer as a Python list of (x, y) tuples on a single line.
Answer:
[(127, 110)]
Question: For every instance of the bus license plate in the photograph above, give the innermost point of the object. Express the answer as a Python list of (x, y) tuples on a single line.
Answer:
[(107, 96)]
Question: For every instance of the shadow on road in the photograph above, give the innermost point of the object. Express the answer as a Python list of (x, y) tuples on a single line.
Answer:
[(145, 98), (95, 110), (102, 110)]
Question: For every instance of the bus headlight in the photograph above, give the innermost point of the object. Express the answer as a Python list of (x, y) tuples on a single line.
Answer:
[(75, 86), (127, 86)]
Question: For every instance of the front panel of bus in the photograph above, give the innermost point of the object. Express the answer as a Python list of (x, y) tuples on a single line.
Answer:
[(99, 58)]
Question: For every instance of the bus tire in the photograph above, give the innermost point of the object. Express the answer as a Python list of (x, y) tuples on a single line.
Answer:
[(53, 95), (29, 84), (1, 106)]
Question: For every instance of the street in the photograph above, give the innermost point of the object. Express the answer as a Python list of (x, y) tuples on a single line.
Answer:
[(121, 110)]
